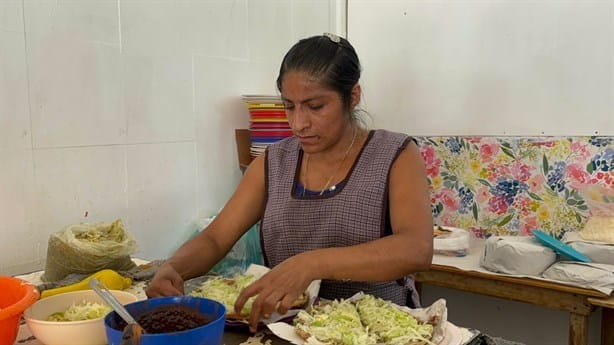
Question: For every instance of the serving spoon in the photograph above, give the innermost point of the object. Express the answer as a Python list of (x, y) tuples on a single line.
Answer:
[(131, 335)]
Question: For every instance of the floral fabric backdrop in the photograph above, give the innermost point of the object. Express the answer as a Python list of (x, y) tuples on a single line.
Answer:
[(510, 185)]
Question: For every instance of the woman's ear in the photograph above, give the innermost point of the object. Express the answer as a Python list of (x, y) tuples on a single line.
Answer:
[(356, 92)]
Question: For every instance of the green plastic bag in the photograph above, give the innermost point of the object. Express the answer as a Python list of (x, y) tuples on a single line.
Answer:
[(245, 252)]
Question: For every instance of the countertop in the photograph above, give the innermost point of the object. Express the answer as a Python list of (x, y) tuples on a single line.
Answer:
[(232, 336)]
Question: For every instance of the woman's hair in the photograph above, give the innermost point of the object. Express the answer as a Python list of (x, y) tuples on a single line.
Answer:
[(330, 59)]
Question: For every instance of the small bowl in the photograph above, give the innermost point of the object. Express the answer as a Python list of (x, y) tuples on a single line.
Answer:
[(85, 332), (16, 296), (209, 334)]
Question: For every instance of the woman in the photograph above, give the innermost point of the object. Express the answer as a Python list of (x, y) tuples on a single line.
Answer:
[(336, 201)]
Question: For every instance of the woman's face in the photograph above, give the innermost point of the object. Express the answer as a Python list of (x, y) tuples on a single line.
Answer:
[(315, 113)]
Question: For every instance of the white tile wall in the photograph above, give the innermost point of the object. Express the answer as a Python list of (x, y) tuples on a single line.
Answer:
[(75, 92), (215, 28), (127, 109), (80, 184), (160, 195), (20, 243), (218, 112), (151, 28), (14, 111), (93, 20), (268, 26), (487, 67), (157, 98), (11, 18), (308, 15)]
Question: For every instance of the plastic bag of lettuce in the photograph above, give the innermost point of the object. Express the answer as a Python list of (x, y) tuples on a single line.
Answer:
[(86, 248)]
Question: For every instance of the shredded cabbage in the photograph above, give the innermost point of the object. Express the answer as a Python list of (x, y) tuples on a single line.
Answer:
[(369, 320), (226, 291), (334, 323), (81, 311), (391, 325)]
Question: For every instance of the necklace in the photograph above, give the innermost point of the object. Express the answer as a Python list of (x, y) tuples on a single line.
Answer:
[(330, 179)]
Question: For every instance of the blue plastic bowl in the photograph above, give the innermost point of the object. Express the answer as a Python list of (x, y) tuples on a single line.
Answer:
[(209, 334)]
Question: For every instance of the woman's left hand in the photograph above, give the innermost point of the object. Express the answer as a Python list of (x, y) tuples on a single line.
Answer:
[(275, 291)]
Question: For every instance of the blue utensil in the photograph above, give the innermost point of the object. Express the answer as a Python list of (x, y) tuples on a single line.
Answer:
[(559, 246)]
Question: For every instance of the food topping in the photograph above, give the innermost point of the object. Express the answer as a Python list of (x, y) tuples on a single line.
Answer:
[(169, 319), (337, 322), (226, 291), (367, 320), (81, 311)]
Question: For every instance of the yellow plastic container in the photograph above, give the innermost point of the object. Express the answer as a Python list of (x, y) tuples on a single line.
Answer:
[(111, 279)]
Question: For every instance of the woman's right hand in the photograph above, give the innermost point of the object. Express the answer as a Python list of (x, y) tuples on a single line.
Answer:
[(166, 282)]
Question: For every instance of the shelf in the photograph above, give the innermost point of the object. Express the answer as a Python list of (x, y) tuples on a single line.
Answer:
[(243, 140)]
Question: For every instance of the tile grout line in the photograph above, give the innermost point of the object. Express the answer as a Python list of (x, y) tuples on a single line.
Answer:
[(119, 26), (25, 49)]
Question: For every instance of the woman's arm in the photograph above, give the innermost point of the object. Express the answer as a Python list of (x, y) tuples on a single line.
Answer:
[(198, 255), (407, 250)]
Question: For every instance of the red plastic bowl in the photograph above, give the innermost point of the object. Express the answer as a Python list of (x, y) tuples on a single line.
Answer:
[(16, 295)]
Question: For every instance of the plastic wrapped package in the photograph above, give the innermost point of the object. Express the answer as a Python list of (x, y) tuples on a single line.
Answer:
[(519, 255), (599, 228), (593, 276), (598, 252), (600, 224), (451, 241)]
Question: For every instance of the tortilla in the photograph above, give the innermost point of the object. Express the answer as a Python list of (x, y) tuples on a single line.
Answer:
[(227, 290)]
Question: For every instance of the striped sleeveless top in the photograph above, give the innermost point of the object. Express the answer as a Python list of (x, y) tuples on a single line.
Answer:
[(354, 213)]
